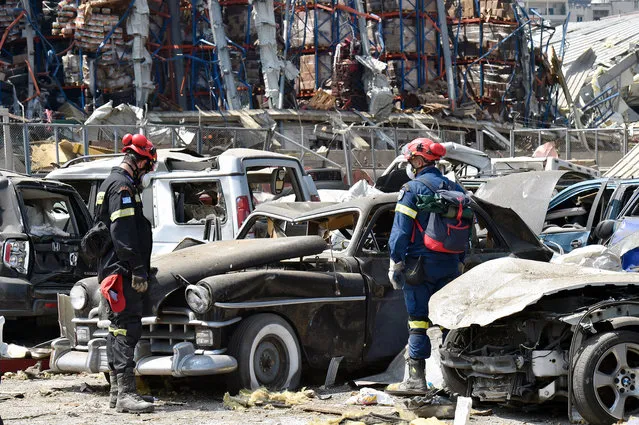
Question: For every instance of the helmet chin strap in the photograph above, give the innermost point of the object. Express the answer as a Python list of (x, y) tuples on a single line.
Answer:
[(134, 168)]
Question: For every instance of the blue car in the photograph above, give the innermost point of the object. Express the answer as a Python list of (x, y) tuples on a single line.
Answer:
[(575, 211)]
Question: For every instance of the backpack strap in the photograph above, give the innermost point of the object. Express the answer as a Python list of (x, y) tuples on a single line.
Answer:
[(427, 184)]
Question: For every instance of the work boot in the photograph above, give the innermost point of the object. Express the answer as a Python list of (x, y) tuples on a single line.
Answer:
[(415, 384), (129, 401), (113, 391)]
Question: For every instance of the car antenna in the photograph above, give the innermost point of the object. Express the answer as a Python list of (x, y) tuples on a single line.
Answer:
[(335, 283)]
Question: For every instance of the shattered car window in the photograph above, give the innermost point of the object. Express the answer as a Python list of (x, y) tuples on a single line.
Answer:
[(193, 202), (376, 240), (260, 180), (482, 238), (48, 213), (336, 230)]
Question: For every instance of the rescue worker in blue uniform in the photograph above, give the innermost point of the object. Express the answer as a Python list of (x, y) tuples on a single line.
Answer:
[(408, 253), (123, 269)]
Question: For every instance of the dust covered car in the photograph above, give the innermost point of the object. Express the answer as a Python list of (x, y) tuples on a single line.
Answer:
[(305, 283), (41, 224), (530, 331)]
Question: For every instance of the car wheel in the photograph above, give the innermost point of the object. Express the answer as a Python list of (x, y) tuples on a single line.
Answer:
[(454, 381), (605, 378), (267, 353)]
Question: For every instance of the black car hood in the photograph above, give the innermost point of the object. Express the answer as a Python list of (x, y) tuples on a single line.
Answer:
[(194, 263)]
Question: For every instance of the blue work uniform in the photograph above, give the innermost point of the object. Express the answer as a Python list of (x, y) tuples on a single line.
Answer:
[(407, 245)]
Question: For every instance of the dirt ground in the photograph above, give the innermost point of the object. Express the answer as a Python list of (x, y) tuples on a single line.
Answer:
[(82, 400)]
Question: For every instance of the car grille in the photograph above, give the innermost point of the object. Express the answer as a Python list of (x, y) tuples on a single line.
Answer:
[(169, 328), (162, 331)]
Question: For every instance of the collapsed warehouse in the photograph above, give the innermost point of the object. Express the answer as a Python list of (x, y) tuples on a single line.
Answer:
[(82, 54), (478, 67)]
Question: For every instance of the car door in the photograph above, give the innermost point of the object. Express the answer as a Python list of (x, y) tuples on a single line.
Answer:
[(574, 213), (386, 331), (624, 201)]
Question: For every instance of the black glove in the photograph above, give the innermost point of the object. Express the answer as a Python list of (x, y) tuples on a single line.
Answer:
[(139, 280)]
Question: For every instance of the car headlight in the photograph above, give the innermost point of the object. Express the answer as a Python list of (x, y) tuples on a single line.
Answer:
[(78, 297), (198, 298)]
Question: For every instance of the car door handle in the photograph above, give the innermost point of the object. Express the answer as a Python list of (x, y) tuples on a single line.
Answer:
[(576, 243)]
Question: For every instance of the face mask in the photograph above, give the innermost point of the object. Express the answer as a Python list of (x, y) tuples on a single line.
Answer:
[(146, 181), (410, 171)]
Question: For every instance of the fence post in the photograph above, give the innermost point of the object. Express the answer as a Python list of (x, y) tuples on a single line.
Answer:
[(625, 139), (512, 143), (8, 146), (85, 139), (347, 161), (27, 153), (597, 147), (396, 142), (538, 138), (567, 144), (115, 140), (172, 129), (198, 136), (373, 160), (479, 136), (56, 137)]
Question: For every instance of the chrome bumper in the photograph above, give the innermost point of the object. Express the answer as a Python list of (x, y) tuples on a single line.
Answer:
[(183, 362)]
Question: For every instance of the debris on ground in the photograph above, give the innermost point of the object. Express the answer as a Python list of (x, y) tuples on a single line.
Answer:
[(431, 404), (367, 396), (263, 397), (462, 410), (8, 396), (362, 418)]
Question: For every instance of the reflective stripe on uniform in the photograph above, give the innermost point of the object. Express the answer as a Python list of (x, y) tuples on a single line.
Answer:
[(117, 332), (100, 198), (137, 198), (417, 324), (126, 212), (406, 210)]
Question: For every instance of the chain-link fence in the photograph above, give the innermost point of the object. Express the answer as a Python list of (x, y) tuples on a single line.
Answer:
[(361, 151), (594, 147)]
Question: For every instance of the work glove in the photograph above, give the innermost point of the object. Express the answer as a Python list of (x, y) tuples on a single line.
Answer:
[(396, 274), (139, 280)]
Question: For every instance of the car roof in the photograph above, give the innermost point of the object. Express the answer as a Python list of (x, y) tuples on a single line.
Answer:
[(298, 211), (18, 178), (168, 160)]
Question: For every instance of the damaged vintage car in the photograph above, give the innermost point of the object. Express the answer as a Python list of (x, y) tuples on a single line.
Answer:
[(304, 284), (531, 331)]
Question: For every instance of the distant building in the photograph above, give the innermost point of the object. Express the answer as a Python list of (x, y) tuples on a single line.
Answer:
[(554, 11), (587, 10)]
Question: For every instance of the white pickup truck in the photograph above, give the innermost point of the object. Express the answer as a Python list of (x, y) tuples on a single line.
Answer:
[(186, 188)]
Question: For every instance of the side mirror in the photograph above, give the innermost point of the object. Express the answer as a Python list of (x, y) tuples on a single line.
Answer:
[(604, 229), (212, 228), (277, 180)]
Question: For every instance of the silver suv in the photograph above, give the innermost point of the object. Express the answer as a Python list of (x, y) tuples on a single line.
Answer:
[(187, 188)]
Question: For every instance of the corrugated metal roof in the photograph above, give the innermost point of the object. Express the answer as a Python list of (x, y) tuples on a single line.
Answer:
[(609, 38), (627, 167)]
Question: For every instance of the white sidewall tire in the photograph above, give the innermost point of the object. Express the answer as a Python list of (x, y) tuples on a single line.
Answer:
[(292, 347)]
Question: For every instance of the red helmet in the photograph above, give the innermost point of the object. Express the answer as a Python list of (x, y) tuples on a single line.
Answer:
[(139, 144), (426, 148)]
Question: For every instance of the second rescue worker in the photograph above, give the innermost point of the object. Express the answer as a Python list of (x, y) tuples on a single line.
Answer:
[(123, 270), (431, 269)]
